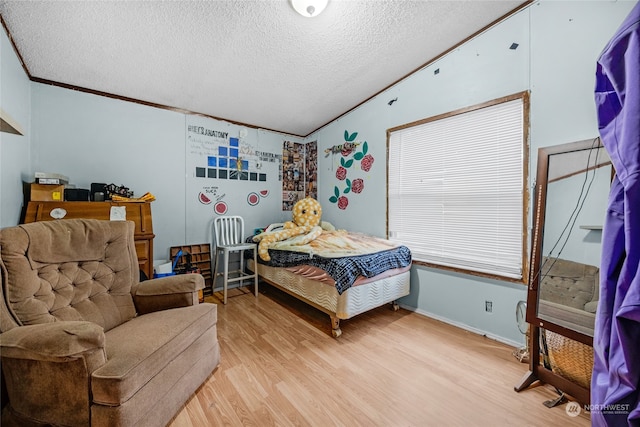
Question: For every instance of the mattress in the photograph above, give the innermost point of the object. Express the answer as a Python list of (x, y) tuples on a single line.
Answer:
[(359, 298), (342, 254)]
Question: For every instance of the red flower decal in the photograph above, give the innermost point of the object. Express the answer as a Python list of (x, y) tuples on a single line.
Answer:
[(341, 173), (366, 162), (357, 185), (343, 202)]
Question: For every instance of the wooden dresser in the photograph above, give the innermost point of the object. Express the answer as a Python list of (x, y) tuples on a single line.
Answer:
[(139, 213)]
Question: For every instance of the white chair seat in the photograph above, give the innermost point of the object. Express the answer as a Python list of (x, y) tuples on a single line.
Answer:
[(229, 235)]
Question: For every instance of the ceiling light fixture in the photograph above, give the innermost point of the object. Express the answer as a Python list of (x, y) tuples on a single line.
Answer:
[(309, 8)]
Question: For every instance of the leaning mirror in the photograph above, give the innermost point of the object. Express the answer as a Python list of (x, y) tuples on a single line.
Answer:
[(572, 187)]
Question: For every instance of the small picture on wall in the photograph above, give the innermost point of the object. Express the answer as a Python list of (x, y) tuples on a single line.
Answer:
[(311, 170), (293, 183)]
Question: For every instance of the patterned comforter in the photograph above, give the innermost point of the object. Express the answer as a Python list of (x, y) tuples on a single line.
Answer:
[(343, 255)]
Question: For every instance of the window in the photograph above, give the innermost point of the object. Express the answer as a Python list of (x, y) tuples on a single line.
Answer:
[(457, 188)]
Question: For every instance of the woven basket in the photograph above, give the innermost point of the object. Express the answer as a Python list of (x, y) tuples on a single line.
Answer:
[(570, 359)]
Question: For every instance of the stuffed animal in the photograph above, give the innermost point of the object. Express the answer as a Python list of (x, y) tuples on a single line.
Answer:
[(306, 220)]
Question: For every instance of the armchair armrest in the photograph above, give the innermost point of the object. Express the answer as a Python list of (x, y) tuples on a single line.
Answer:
[(47, 369), (167, 292), (54, 342)]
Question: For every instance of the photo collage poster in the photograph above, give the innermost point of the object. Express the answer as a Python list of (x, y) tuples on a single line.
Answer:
[(299, 172)]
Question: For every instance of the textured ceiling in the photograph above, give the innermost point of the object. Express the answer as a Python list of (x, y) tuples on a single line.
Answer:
[(252, 62)]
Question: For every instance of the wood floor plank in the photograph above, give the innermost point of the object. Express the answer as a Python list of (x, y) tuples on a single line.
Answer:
[(280, 366)]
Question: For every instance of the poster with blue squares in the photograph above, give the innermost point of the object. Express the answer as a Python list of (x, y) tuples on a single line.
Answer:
[(230, 170)]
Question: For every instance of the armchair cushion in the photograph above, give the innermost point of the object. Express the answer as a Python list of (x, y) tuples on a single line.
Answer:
[(136, 350), (98, 291), (569, 283), (63, 246)]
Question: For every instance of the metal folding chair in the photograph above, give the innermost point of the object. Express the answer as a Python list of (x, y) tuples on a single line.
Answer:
[(229, 235)]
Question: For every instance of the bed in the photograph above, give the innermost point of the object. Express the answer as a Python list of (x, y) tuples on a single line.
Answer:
[(340, 273)]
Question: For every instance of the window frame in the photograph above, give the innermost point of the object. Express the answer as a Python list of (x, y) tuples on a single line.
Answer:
[(524, 97)]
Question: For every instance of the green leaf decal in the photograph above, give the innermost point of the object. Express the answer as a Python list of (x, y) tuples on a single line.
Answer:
[(333, 199), (342, 161), (358, 156), (336, 191), (348, 163), (348, 187), (346, 135), (365, 148), (352, 137)]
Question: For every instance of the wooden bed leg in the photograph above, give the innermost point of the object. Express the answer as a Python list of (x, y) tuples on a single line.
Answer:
[(335, 327), (395, 306)]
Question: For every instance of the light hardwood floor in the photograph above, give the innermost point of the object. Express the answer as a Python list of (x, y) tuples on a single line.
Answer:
[(281, 367)]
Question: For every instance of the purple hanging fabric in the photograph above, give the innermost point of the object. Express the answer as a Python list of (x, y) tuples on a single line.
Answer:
[(616, 372)]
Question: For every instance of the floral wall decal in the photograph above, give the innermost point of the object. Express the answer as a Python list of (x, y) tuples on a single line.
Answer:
[(354, 158)]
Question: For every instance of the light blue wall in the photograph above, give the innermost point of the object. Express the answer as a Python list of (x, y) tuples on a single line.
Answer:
[(92, 139), (480, 70), (559, 43), (15, 99), (567, 205)]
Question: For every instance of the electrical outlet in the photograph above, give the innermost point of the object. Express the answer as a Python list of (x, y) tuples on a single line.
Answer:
[(488, 306)]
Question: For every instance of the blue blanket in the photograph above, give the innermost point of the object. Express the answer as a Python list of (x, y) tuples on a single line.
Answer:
[(344, 270)]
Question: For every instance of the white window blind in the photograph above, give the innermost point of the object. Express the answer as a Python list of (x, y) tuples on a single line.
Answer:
[(456, 189)]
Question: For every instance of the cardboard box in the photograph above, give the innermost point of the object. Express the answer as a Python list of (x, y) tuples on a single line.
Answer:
[(46, 193)]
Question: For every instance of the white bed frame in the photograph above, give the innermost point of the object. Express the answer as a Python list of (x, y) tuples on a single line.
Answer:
[(353, 301)]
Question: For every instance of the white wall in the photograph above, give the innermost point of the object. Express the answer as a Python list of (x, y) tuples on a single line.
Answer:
[(559, 43), (15, 99)]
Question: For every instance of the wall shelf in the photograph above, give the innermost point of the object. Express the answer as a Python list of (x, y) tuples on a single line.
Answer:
[(8, 124), (591, 227)]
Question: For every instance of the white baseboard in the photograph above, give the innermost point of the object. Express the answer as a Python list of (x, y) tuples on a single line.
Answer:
[(503, 340)]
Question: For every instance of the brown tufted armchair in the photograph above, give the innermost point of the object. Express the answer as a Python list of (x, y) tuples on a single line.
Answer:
[(569, 293), (83, 342)]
